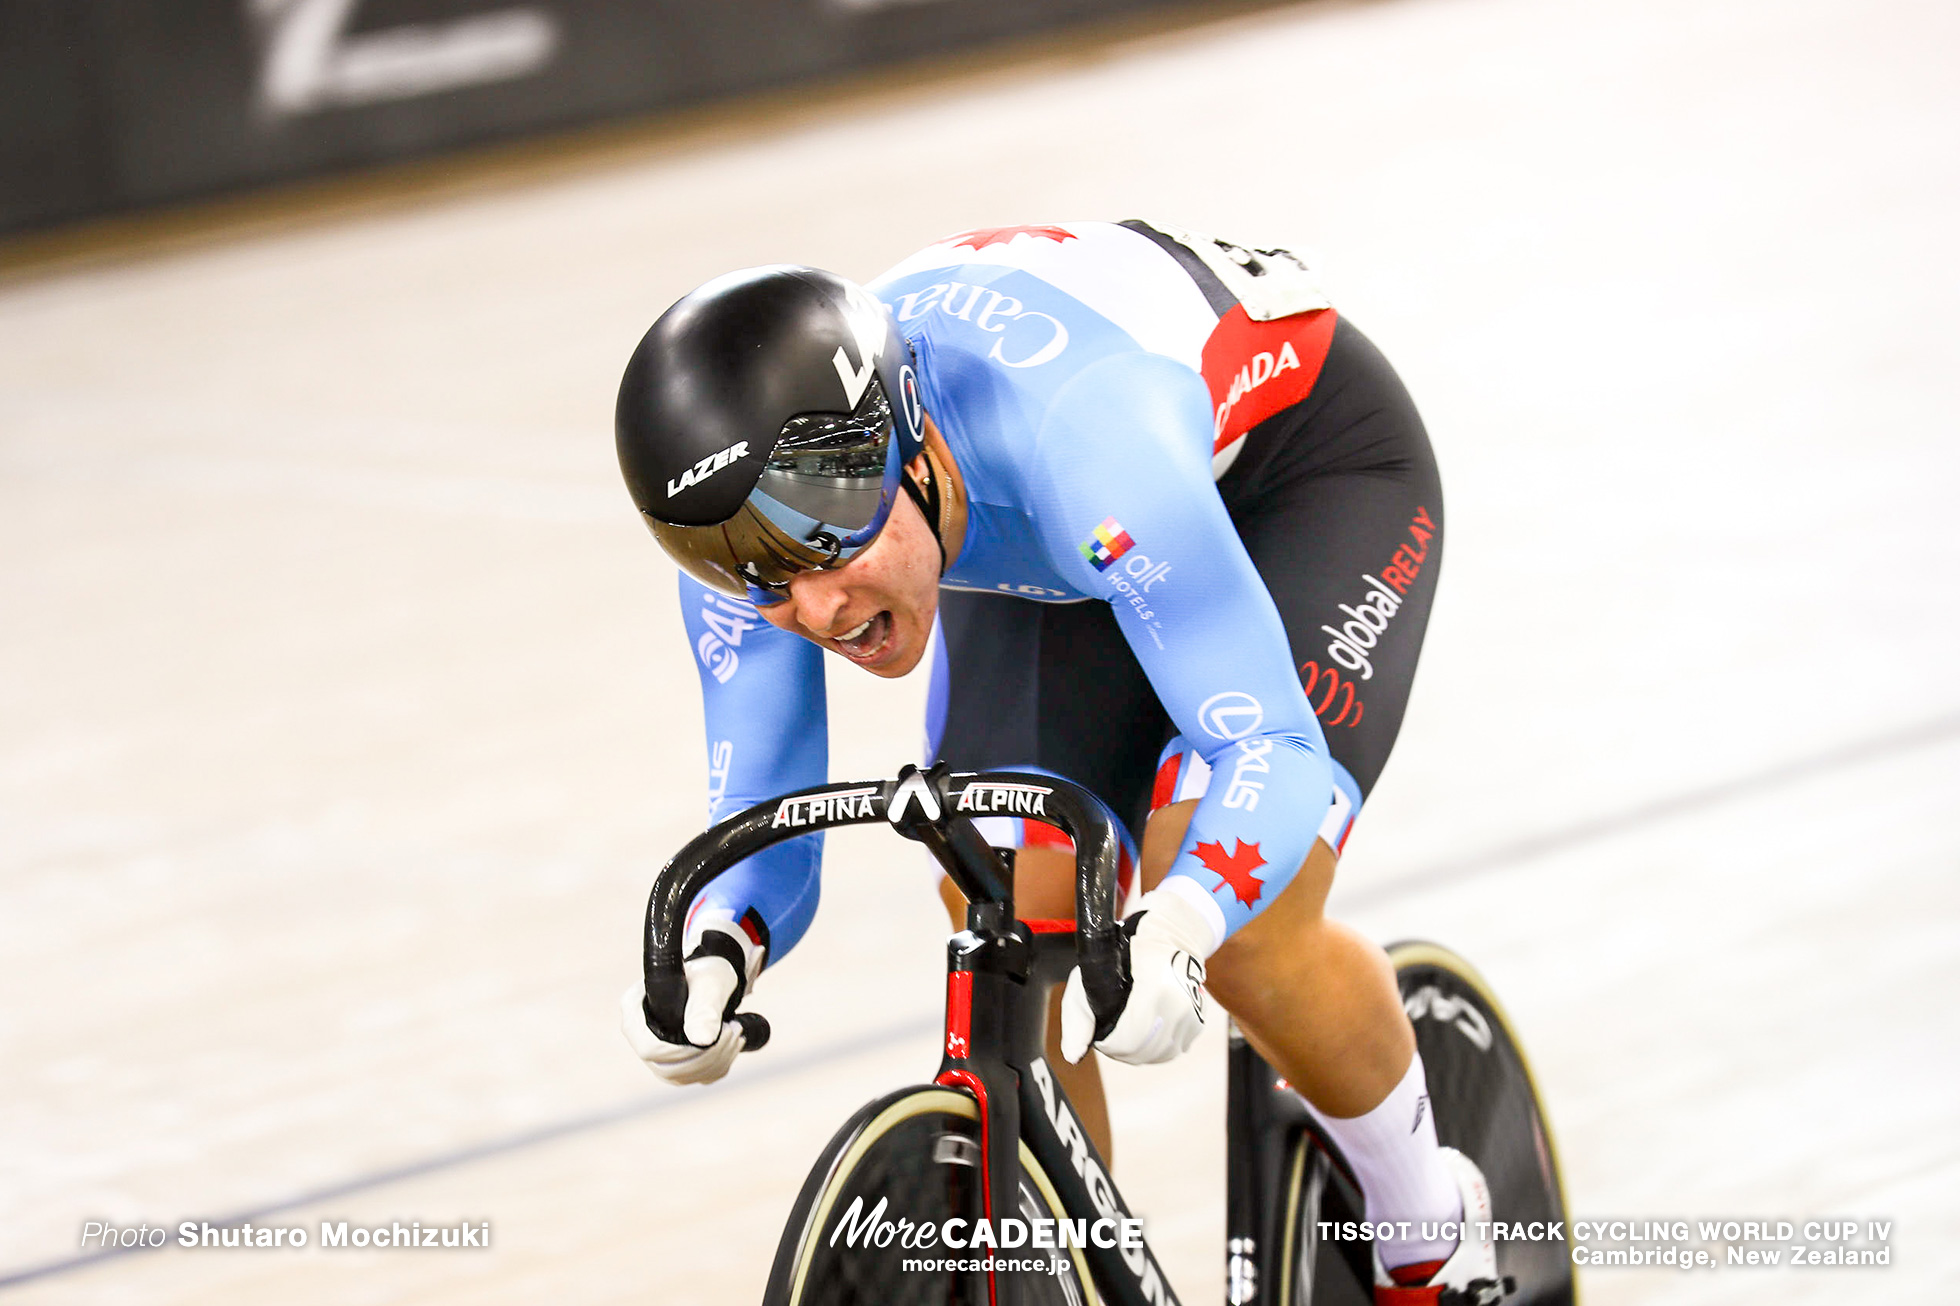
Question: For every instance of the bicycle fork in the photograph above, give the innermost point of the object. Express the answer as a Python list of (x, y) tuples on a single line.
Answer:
[(986, 980), (996, 1005)]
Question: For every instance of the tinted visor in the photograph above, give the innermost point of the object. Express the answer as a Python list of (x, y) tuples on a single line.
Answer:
[(825, 494)]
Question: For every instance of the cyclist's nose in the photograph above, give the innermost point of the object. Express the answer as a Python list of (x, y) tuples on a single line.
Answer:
[(819, 597)]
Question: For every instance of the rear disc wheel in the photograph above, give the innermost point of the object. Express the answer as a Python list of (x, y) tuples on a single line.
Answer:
[(1487, 1107)]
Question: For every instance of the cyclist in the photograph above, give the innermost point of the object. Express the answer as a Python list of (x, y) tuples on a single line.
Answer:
[(947, 465)]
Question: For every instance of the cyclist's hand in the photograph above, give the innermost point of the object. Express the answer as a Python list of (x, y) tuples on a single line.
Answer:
[(719, 971), (1166, 1007)]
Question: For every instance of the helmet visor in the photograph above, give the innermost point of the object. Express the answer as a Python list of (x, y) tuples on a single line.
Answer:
[(823, 498)]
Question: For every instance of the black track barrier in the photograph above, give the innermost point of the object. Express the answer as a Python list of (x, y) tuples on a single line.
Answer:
[(115, 105)]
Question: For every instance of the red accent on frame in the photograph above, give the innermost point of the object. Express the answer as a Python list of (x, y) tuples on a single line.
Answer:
[(1050, 927), (959, 1014), (1417, 1275), (969, 1081)]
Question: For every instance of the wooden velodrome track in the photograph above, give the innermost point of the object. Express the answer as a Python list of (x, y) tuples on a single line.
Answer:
[(344, 714)]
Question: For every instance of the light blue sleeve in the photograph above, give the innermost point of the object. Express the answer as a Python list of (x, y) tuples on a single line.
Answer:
[(762, 692), (1122, 496)]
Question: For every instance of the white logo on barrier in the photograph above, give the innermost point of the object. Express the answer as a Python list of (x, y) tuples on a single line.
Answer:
[(1230, 715), (308, 63)]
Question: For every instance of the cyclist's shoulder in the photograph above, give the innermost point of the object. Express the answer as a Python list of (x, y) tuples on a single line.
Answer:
[(1042, 300), (1062, 251)]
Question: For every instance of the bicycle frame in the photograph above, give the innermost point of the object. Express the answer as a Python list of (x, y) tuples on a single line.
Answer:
[(997, 987), (1264, 1124), (999, 973)]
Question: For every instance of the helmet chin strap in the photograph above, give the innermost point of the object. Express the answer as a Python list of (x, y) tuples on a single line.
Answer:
[(930, 503)]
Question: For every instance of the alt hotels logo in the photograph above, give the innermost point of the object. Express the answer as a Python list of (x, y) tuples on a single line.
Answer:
[(1109, 543)]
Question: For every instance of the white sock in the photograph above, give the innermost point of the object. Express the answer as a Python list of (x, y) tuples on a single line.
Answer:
[(1403, 1177)]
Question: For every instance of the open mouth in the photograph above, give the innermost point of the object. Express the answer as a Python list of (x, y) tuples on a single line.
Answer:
[(867, 640)]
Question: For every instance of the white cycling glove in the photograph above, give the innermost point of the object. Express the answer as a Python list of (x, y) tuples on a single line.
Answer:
[(714, 986), (1166, 1007)]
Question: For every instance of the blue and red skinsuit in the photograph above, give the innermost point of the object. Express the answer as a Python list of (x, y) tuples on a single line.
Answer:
[(1066, 367)]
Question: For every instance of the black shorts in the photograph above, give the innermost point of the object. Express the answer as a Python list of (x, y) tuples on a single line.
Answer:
[(1333, 497)]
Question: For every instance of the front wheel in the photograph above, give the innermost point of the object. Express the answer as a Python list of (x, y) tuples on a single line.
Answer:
[(916, 1152), (1486, 1106)]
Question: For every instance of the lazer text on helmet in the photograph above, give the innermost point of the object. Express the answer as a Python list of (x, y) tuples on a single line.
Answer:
[(707, 467)]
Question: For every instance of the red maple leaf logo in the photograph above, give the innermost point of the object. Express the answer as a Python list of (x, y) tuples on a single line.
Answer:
[(982, 237), (1236, 870)]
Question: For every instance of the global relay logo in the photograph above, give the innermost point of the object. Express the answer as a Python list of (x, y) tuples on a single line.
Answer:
[(1109, 543)]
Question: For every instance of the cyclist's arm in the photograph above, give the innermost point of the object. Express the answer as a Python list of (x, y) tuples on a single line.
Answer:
[(762, 693), (1127, 441)]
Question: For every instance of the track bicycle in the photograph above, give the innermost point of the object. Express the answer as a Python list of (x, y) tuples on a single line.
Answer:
[(894, 1200)]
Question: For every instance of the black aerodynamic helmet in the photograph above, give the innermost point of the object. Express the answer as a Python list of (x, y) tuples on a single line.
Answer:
[(764, 423)]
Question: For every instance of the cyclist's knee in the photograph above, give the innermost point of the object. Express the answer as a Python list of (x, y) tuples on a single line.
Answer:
[(954, 900), (1284, 937), (1044, 884), (1161, 836)]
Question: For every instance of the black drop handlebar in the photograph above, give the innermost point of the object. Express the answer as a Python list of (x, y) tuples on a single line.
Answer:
[(935, 808)]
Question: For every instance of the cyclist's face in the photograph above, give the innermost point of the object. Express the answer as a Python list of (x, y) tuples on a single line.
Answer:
[(877, 609)]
